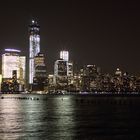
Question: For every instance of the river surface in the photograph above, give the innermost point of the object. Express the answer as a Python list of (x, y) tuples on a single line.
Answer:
[(69, 117)]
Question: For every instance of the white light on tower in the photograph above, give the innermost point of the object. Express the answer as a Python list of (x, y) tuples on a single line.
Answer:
[(12, 61), (34, 48), (64, 55)]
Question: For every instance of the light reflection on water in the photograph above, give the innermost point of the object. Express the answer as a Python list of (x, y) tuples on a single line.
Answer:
[(10, 119), (42, 119), (64, 117)]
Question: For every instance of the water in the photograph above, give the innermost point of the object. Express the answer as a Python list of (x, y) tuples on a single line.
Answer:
[(69, 117)]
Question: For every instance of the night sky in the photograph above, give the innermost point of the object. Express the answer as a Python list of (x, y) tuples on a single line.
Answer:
[(104, 33)]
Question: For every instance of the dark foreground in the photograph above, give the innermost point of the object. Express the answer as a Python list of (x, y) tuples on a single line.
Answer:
[(68, 117)]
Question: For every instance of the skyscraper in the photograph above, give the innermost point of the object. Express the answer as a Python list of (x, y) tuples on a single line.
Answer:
[(11, 60), (13, 69), (40, 67), (64, 55), (34, 47), (40, 78), (63, 70), (60, 73)]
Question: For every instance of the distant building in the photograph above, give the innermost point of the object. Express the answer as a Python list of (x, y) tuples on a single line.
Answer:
[(118, 72), (39, 59), (11, 62), (50, 79), (60, 73), (63, 71), (34, 47), (40, 66), (89, 73), (40, 76), (64, 55), (70, 72), (60, 68), (22, 70), (70, 69), (51, 86), (90, 70)]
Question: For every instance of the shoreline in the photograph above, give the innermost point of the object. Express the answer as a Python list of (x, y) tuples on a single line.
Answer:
[(96, 94)]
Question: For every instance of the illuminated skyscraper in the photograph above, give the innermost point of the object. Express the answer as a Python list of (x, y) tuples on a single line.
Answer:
[(34, 47), (12, 61), (40, 77), (63, 69), (39, 60), (64, 55), (40, 67), (60, 73)]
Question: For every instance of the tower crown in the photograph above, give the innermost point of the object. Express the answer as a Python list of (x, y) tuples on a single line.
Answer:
[(34, 27)]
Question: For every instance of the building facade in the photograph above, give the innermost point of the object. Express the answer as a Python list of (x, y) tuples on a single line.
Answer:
[(40, 77), (12, 62), (34, 47), (60, 74), (64, 55)]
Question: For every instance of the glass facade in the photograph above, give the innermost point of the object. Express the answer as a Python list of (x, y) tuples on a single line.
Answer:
[(64, 55), (12, 61), (34, 48)]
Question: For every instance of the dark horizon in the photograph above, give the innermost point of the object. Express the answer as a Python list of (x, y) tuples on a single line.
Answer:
[(102, 33)]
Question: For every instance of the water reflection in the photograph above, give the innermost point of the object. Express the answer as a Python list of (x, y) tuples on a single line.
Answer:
[(107, 118), (10, 119), (43, 119), (66, 117)]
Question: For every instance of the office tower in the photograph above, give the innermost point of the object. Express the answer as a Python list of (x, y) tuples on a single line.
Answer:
[(70, 72), (13, 63), (14, 87), (39, 59), (90, 70), (60, 73), (22, 69), (34, 47), (11, 60), (50, 80), (40, 77), (69, 69), (60, 68), (64, 55), (63, 70), (40, 67), (118, 72), (89, 74)]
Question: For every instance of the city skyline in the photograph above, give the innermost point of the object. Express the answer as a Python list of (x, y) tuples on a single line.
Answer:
[(105, 34)]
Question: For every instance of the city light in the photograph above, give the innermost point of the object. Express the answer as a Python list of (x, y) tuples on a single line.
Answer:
[(64, 55), (34, 48), (12, 50), (88, 78)]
